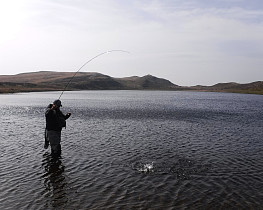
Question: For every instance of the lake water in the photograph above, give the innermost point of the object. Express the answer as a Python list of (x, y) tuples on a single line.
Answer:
[(134, 150)]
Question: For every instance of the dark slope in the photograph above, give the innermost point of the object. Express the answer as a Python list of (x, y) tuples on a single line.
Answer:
[(82, 81)]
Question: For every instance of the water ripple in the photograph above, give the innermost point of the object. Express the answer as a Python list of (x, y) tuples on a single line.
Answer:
[(134, 150)]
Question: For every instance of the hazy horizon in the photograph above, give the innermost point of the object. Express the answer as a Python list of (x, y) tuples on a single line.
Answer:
[(189, 43)]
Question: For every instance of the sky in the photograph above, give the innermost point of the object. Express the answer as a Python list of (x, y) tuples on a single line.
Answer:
[(189, 42)]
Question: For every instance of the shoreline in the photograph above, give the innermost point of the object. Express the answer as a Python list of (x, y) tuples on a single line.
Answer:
[(254, 92)]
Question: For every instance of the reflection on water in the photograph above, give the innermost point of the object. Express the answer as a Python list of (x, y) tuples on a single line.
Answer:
[(54, 181), (134, 150)]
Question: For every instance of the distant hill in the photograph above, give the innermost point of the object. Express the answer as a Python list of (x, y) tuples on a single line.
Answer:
[(49, 81), (46, 80), (252, 88)]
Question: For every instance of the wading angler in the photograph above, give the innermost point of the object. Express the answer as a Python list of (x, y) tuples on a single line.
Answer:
[(55, 121)]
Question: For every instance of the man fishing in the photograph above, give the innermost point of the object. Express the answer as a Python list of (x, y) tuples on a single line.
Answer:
[(55, 121)]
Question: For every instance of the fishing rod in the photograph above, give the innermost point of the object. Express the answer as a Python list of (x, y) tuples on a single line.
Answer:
[(109, 51)]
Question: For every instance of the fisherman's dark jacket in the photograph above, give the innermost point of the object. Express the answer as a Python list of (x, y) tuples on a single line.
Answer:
[(55, 119)]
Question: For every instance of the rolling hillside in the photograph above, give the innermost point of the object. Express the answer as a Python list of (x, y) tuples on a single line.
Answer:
[(251, 88), (48, 81), (45, 80)]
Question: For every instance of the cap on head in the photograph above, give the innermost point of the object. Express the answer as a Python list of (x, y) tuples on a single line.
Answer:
[(57, 103)]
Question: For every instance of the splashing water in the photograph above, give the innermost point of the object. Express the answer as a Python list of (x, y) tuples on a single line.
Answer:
[(146, 168)]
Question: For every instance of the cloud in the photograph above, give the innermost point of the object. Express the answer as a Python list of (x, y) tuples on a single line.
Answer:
[(188, 42)]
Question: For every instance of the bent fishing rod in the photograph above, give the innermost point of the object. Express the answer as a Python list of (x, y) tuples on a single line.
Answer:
[(109, 51)]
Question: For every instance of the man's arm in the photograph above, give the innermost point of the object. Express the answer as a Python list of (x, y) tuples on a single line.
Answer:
[(67, 115), (49, 110)]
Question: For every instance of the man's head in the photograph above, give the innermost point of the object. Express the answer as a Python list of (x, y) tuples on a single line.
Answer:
[(57, 103)]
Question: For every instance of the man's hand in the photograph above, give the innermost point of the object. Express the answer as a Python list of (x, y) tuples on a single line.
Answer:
[(53, 107)]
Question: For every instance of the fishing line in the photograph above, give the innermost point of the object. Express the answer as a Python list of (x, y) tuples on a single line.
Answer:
[(86, 64)]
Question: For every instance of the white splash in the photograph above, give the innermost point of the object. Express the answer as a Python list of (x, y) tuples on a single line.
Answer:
[(148, 167)]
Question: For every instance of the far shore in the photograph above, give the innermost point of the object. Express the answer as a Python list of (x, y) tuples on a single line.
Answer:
[(13, 91)]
